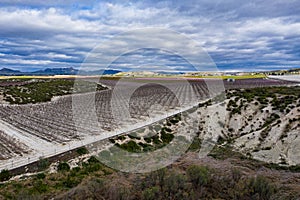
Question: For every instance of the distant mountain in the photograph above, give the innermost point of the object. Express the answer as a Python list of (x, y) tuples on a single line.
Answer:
[(56, 71), (170, 73), (137, 73), (10, 72), (99, 72), (147, 73)]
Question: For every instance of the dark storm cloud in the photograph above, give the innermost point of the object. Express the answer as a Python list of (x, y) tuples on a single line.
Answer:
[(237, 34)]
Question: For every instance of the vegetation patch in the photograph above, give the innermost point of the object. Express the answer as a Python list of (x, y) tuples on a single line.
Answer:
[(25, 91), (159, 135)]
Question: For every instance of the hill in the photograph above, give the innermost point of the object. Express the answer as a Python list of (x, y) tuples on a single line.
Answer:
[(9, 72), (55, 71), (255, 155), (262, 123)]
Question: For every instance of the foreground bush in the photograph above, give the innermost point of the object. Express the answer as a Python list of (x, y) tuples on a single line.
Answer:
[(4, 175)]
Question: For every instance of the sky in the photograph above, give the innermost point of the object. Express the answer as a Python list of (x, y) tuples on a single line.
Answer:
[(236, 35)]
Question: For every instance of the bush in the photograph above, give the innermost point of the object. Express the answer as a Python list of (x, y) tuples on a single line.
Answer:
[(261, 186), (174, 121), (196, 144), (151, 193), (82, 151), (5, 175), (198, 175), (148, 139), (156, 139), (131, 146), (174, 185), (295, 168), (63, 167), (71, 182), (133, 136), (40, 187), (167, 129), (93, 159), (40, 176), (43, 164), (166, 137)]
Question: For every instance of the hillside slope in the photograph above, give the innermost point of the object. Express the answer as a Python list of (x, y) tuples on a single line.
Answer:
[(262, 123)]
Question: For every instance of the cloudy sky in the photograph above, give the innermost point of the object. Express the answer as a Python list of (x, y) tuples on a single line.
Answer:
[(237, 35)]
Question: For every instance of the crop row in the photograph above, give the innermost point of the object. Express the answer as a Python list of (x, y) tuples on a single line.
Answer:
[(56, 122), (10, 146)]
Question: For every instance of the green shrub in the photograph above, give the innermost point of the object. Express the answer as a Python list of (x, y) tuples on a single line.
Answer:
[(148, 139), (133, 136), (146, 147), (40, 176), (156, 139), (166, 137), (261, 186), (196, 144), (71, 182), (167, 129), (151, 193), (112, 140), (131, 146), (43, 164), (93, 159), (295, 168), (44, 89), (63, 166), (174, 121), (121, 137), (5, 175), (175, 185), (198, 175), (40, 187), (82, 151)]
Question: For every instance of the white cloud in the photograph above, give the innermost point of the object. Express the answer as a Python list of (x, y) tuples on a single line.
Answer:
[(49, 20), (232, 33), (27, 62)]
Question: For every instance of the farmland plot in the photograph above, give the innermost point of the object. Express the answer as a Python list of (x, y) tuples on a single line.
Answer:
[(55, 123)]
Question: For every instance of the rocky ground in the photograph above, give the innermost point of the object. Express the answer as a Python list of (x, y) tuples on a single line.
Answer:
[(260, 123)]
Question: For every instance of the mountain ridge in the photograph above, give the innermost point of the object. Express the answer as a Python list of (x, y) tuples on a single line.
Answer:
[(56, 71)]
